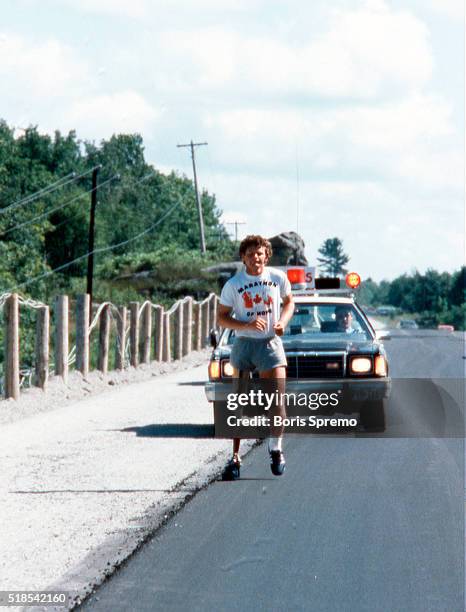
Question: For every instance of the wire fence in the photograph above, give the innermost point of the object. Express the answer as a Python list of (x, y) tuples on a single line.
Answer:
[(73, 334)]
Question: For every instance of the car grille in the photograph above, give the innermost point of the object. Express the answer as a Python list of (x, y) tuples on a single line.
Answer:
[(315, 366)]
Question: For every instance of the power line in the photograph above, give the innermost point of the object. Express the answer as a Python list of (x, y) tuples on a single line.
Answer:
[(198, 199), (236, 223), (98, 250), (37, 194), (144, 178), (45, 190), (49, 212)]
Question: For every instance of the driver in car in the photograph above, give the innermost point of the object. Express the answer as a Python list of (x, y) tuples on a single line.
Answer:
[(344, 319)]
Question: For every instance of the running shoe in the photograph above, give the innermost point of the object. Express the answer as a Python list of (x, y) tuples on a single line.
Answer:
[(277, 462), (232, 470)]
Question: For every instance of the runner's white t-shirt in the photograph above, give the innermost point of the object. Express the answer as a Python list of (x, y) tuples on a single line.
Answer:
[(251, 297)]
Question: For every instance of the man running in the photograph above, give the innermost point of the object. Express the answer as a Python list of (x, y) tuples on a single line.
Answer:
[(253, 296)]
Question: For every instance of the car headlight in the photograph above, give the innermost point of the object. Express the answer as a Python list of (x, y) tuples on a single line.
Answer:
[(227, 368), (360, 365), (214, 370), (381, 368)]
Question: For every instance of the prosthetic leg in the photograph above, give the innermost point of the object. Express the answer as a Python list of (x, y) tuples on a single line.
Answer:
[(233, 469)]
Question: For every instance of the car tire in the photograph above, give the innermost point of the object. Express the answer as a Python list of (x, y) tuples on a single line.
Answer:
[(372, 416)]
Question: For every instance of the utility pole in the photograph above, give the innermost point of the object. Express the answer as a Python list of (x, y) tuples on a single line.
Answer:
[(236, 223), (198, 199), (90, 257)]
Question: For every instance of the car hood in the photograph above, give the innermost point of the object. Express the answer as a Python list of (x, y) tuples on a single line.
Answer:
[(342, 344), (305, 345)]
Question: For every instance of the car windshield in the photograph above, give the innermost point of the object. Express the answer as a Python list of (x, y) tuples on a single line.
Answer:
[(324, 323), (327, 321)]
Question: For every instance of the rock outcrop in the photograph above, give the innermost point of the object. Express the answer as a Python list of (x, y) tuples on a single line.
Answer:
[(288, 250)]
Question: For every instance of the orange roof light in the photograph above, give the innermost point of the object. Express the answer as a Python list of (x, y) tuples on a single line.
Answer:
[(353, 280), (296, 276)]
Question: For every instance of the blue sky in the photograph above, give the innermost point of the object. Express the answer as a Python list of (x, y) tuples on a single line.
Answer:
[(337, 119)]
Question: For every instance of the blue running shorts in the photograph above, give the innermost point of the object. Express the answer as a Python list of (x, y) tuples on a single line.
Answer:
[(261, 353)]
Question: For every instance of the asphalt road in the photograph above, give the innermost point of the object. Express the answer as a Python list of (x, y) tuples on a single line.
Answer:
[(356, 524)]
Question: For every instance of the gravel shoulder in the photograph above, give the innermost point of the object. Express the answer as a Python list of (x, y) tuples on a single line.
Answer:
[(33, 400), (85, 482)]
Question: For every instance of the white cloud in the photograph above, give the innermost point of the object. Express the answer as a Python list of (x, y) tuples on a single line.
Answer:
[(397, 125), (401, 140), (385, 233), (145, 9), (362, 53), (366, 47), (54, 88), (451, 8), (44, 69), (103, 115), (434, 169), (357, 96), (136, 9)]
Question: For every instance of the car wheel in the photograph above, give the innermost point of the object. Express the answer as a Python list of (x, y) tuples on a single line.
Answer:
[(372, 416)]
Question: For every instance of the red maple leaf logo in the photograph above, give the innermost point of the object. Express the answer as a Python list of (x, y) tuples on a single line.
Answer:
[(248, 303), (257, 299), (268, 300)]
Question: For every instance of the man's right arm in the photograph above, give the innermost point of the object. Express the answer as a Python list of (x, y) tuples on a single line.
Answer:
[(224, 319)]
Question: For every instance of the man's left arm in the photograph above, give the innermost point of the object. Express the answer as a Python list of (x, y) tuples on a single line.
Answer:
[(287, 313)]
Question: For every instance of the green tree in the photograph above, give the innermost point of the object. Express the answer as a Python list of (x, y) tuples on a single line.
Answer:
[(457, 294), (52, 230), (368, 292), (333, 258)]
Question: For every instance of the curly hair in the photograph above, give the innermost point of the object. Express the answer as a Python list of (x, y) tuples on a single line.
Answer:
[(256, 241)]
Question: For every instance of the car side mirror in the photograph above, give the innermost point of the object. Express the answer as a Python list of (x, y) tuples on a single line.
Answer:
[(214, 337), (382, 334)]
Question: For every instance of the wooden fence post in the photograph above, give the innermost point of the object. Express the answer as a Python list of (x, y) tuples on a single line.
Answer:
[(158, 334), (205, 322), (134, 333), (178, 340), (42, 347), (104, 339), (82, 333), (12, 347), (197, 316), (146, 332), (61, 336), (120, 338), (187, 326), (166, 356)]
